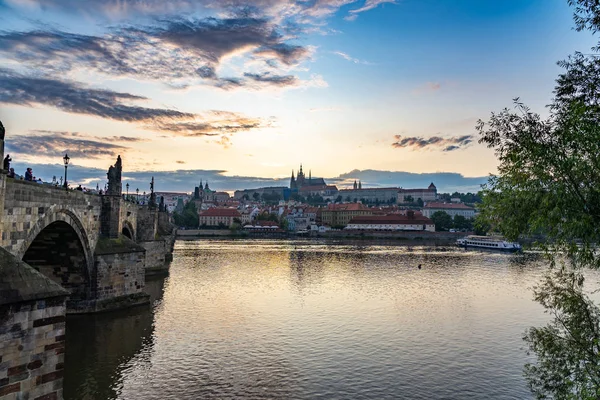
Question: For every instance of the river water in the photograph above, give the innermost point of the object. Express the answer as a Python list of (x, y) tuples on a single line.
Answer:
[(305, 320)]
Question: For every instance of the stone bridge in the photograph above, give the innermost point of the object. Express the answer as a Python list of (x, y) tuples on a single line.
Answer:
[(98, 247), (66, 251)]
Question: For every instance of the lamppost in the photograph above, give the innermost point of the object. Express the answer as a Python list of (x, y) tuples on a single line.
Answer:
[(127, 186), (137, 192), (66, 159)]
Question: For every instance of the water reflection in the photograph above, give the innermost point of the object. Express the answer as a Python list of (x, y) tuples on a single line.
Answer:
[(282, 319), (98, 347)]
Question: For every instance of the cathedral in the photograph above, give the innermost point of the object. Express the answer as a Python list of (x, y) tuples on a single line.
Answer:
[(204, 194), (297, 183)]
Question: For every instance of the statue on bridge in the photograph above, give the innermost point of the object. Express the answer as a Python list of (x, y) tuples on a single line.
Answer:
[(7, 161), (114, 178), (2, 131), (152, 201)]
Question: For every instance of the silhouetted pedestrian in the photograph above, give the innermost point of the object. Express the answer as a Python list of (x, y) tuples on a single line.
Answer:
[(29, 174)]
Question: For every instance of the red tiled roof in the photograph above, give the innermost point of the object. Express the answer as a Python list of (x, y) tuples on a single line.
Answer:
[(453, 206), (220, 212), (266, 223)]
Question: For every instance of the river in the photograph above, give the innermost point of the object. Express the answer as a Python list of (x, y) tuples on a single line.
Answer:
[(276, 319)]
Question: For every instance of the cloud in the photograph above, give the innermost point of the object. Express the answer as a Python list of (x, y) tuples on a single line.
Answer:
[(299, 11), (179, 52), (368, 5), (351, 59), (56, 144), (213, 123), (275, 80), (76, 98), (180, 162), (448, 144)]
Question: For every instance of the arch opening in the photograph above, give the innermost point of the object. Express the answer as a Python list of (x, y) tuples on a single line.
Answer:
[(58, 253), (126, 232)]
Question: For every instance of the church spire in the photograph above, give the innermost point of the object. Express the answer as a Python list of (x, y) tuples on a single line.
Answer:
[(359, 184), (355, 186)]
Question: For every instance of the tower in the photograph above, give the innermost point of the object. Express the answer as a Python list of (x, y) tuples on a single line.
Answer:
[(355, 185), (300, 179), (359, 184), (293, 181)]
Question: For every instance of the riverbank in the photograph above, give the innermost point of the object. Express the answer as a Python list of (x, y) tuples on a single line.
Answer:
[(421, 237)]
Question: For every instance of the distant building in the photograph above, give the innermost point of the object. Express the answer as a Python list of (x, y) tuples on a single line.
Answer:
[(301, 181), (369, 195), (327, 192), (219, 216), (451, 209), (273, 192), (172, 198), (221, 197), (392, 222), (429, 194), (203, 194), (338, 215)]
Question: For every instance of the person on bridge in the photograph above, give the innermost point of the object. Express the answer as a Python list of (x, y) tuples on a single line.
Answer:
[(29, 174), (11, 173)]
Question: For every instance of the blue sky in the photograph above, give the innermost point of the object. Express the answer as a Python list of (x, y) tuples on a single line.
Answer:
[(255, 88)]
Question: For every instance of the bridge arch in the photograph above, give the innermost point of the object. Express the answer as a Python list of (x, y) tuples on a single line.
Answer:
[(58, 245), (128, 230)]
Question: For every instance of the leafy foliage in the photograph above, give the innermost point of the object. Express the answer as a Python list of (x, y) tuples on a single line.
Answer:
[(442, 220), (567, 349), (188, 217), (548, 184)]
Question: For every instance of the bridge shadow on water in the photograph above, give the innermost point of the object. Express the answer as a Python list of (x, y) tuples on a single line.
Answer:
[(100, 346)]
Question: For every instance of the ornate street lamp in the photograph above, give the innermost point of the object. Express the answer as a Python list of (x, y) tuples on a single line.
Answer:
[(66, 159), (127, 187), (137, 192)]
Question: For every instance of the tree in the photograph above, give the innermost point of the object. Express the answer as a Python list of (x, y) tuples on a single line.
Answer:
[(255, 196), (409, 199), (420, 202), (460, 222), (442, 220), (481, 225), (188, 217), (548, 181), (338, 199)]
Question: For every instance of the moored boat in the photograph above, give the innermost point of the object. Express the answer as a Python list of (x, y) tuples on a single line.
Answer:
[(488, 242)]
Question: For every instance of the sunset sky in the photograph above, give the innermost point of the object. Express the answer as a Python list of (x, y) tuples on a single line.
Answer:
[(228, 88)]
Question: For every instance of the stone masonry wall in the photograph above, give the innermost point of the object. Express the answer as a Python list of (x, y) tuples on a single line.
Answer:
[(28, 203), (147, 224), (129, 212), (32, 345), (157, 255), (119, 274)]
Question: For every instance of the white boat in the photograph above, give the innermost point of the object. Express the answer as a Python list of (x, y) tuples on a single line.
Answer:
[(488, 242)]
